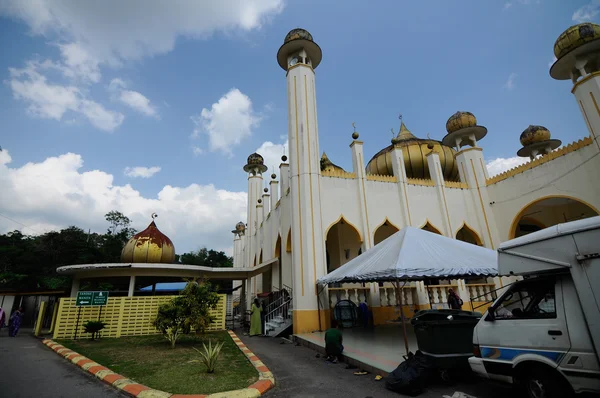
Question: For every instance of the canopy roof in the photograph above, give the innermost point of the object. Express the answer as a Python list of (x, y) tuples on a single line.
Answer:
[(413, 253)]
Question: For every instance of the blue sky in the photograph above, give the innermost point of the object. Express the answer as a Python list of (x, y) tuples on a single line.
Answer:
[(186, 92)]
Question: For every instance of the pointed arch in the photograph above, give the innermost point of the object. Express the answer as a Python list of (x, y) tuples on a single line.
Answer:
[(428, 226), (260, 258), (277, 252), (467, 234), (342, 244), (254, 262), (548, 211), (288, 242), (343, 220), (384, 231)]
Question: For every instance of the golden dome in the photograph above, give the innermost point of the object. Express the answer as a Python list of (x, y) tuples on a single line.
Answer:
[(255, 163), (460, 120), (575, 37), (296, 34), (415, 162), (149, 246), (534, 134), (327, 165)]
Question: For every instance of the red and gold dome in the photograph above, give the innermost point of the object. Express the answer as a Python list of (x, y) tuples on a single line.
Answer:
[(149, 246)]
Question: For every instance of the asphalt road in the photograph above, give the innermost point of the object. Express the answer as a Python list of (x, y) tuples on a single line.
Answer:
[(30, 369), (298, 373)]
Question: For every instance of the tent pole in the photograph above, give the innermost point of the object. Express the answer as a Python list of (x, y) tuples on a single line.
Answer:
[(399, 293)]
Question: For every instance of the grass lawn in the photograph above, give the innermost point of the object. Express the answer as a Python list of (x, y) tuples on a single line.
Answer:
[(149, 360)]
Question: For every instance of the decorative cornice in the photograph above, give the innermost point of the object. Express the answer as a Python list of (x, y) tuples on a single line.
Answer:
[(338, 174), (475, 148), (456, 184), (356, 142), (585, 79), (420, 181), (381, 178), (541, 160)]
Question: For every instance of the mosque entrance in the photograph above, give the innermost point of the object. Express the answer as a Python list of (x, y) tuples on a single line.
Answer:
[(546, 212), (343, 243), (384, 231), (466, 234)]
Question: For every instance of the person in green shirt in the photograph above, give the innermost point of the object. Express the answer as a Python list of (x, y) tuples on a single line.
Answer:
[(333, 342), (255, 322)]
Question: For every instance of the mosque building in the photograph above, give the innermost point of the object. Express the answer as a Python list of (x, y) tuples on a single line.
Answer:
[(319, 216)]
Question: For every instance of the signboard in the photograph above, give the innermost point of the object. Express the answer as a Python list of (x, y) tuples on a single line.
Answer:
[(87, 299)]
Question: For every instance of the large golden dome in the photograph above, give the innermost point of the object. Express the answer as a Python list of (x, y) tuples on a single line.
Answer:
[(328, 165), (149, 246), (414, 150)]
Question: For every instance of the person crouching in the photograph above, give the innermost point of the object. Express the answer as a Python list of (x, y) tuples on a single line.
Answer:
[(333, 342)]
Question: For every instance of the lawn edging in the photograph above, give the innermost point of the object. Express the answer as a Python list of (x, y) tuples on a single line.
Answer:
[(265, 382)]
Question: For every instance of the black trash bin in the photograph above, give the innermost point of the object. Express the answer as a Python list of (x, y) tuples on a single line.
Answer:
[(446, 336)]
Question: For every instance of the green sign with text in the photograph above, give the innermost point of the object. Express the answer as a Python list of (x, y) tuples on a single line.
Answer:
[(87, 299)]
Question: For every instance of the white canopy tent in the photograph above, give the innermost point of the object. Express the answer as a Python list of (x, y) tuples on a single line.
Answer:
[(414, 254)]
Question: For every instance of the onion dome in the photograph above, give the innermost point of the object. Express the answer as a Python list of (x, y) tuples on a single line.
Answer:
[(415, 162), (575, 37), (460, 120), (327, 165), (256, 163), (536, 140), (240, 228), (576, 44), (149, 246), (296, 40), (534, 134)]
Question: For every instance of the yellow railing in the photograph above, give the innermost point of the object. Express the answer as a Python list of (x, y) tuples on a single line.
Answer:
[(381, 178), (124, 316), (456, 184), (420, 181), (338, 174)]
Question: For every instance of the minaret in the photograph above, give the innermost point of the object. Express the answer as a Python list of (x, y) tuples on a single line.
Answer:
[(254, 167), (577, 51), (299, 56)]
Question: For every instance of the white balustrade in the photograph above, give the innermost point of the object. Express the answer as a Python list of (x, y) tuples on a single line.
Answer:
[(355, 294), (481, 292), (438, 294)]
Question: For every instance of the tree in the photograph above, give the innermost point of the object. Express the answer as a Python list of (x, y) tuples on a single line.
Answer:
[(206, 258), (188, 311)]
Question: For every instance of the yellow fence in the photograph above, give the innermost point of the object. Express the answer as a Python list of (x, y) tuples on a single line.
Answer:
[(124, 316)]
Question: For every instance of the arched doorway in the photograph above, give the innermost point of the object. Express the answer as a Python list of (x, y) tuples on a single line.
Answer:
[(429, 227), (466, 234), (288, 243), (277, 255), (384, 231), (342, 243), (546, 212)]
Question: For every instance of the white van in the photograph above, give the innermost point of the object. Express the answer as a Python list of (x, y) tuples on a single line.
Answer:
[(543, 333)]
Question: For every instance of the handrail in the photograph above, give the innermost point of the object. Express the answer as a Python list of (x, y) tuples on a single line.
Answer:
[(282, 311)]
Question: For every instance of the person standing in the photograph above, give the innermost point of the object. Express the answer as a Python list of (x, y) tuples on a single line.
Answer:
[(2, 318), (255, 319), (14, 324), (454, 301)]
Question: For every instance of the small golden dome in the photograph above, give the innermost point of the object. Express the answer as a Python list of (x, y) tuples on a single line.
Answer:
[(575, 37), (415, 162), (255, 163), (240, 226), (460, 120), (273, 176), (149, 246), (534, 134), (327, 165), (297, 34)]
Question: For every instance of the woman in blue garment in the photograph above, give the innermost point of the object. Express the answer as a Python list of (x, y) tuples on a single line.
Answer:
[(14, 323)]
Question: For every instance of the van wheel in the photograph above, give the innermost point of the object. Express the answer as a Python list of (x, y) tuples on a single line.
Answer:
[(545, 383)]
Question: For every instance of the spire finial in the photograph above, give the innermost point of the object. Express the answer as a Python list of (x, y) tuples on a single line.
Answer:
[(400, 117), (355, 133), (154, 215)]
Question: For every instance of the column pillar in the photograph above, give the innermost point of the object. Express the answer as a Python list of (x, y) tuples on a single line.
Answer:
[(131, 286), (75, 286), (358, 166), (435, 171)]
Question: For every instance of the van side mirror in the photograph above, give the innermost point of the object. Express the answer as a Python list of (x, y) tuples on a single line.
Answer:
[(490, 317)]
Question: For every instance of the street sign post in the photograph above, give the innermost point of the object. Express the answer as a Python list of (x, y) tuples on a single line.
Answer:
[(89, 299)]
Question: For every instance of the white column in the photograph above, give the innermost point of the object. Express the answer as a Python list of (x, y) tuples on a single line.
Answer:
[(75, 286), (400, 174), (284, 177), (358, 166), (131, 286), (274, 189), (435, 171), (266, 201), (587, 94)]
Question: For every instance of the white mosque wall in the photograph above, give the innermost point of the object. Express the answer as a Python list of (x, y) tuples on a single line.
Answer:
[(424, 207), (573, 175), (339, 198), (383, 202), (463, 210)]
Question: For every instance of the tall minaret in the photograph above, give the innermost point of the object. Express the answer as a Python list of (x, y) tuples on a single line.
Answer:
[(577, 51), (299, 56), (254, 167)]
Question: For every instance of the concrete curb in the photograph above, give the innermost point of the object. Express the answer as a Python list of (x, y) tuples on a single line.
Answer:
[(265, 382)]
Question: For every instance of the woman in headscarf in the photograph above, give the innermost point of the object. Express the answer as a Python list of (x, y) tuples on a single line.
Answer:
[(255, 321), (454, 301), (14, 324)]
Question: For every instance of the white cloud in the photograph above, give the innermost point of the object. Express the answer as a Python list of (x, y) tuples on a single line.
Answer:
[(132, 99), (587, 12), (52, 101), (57, 193), (116, 31), (510, 83), (143, 172), (500, 165), (227, 122), (272, 153), (509, 4), (79, 63), (197, 150)]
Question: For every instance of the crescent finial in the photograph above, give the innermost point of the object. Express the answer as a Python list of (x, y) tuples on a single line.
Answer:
[(154, 215)]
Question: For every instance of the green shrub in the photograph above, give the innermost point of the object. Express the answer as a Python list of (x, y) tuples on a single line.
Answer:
[(210, 355), (94, 327)]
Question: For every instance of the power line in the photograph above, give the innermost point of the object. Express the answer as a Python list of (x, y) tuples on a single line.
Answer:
[(18, 222)]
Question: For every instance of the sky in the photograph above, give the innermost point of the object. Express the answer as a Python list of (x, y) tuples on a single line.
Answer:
[(146, 106)]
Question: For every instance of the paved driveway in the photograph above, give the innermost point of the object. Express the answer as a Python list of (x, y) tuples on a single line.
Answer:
[(299, 373), (30, 369)]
